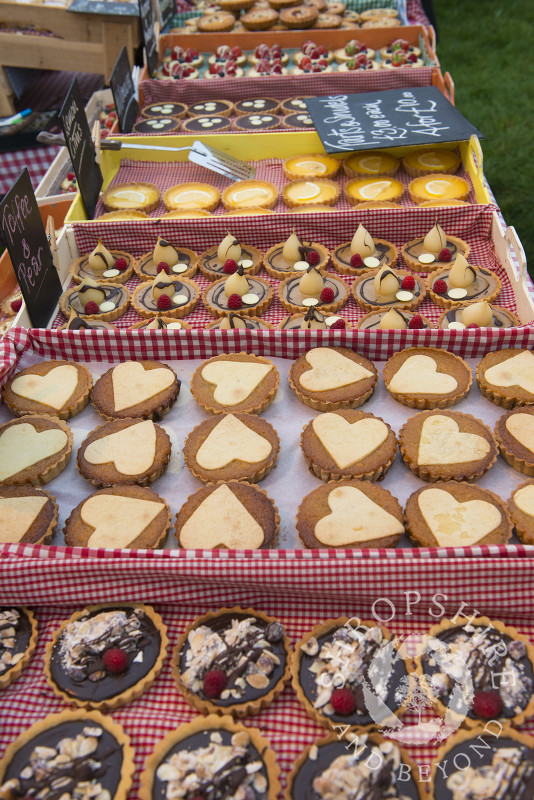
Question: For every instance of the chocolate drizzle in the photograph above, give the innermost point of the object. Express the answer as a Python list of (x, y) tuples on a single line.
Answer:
[(78, 323), (148, 267), (278, 262)]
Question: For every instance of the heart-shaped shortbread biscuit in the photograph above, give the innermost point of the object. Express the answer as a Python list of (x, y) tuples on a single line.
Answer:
[(355, 518), (221, 520), (17, 515), (521, 426), (418, 375), (330, 370), (21, 446), (524, 499), (133, 384), (232, 440), (234, 381), (442, 442), (117, 521), (348, 442), (515, 371), (456, 524), (52, 389), (132, 450)]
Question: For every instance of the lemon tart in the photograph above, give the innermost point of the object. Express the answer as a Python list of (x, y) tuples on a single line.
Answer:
[(122, 214), (423, 162), (305, 191), (312, 209), (311, 166), (186, 196), (379, 188), (444, 187), (131, 196), (363, 254), (248, 212), (370, 163), (192, 213), (247, 194)]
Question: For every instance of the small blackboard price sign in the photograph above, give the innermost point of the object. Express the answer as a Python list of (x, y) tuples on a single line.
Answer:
[(167, 10), (146, 13), (393, 118), (123, 90), (28, 248), (81, 148)]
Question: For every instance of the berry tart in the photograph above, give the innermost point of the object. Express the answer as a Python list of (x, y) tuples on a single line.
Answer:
[(313, 320), (60, 388), (164, 109), (438, 187), (352, 49), (18, 639), (233, 321), (399, 46), (225, 259), (103, 265), (249, 296), (131, 197), (401, 59), (295, 256), (427, 377), (521, 508), (272, 54), (360, 62), (207, 108), (223, 69), (101, 301), (27, 516), (477, 315), (506, 377), (34, 449), (168, 259), (436, 250), (317, 165), (361, 190), (224, 54), (388, 288), (174, 70), (462, 283), (192, 196), (431, 161), (315, 52), (514, 432), (363, 253), (184, 56), (166, 296), (328, 378), (247, 194), (326, 291), (237, 382), (394, 319), (142, 389), (370, 163)]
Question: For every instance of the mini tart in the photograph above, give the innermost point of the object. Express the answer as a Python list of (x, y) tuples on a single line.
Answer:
[(502, 318), (364, 293), (279, 267), (222, 108), (211, 124), (212, 268), (251, 648), (248, 212), (385, 254), (427, 377), (187, 294), (355, 645), (237, 322), (379, 188), (164, 109), (228, 447), (310, 190), (60, 388), (257, 122), (260, 105), (318, 322), (27, 516), (145, 389), (350, 514), (311, 166), (371, 321), (298, 17), (411, 251), (292, 300), (440, 187), (370, 163), (157, 125), (78, 323), (514, 432), (447, 445), (259, 19), (193, 213), (506, 377), (235, 382), (186, 266), (80, 269), (18, 639), (431, 161), (479, 643), (300, 120), (186, 196), (95, 745), (244, 194), (312, 209), (75, 665), (160, 323), (114, 293), (348, 444), (327, 378), (217, 22), (214, 745), (452, 514), (123, 214), (259, 298), (232, 515), (33, 449), (521, 508), (486, 286), (131, 197)]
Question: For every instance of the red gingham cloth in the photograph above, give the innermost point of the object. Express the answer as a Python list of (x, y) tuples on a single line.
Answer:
[(37, 159), (416, 15)]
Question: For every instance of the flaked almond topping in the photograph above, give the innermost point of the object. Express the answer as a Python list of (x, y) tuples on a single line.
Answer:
[(258, 680)]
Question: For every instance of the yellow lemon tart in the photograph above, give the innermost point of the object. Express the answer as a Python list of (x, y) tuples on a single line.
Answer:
[(380, 188), (423, 162), (370, 162), (191, 196), (314, 191), (186, 214), (131, 197), (123, 214), (444, 187), (248, 212), (311, 166), (250, 194)]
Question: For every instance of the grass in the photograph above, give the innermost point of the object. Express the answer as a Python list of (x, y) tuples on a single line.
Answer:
[(486, 46)]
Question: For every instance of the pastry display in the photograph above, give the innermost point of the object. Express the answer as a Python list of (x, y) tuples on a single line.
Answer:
[(233, 321), (191, 196), (166, 296), (251, 193), (27, 516), (235, 382), (514, 432), (326, 291), (226, 257), (435, 251), (145, 389), (295, 255), (157, 125), (103, 265), (313, 320), (427, 377), (328, 378), (105, 656), (477, 315), (161, 323), (363, 253), (388, 288), (440, 187), (211, 124), (422, 162), (462, 283), (168, 259), (131, 197), (60, 388), (380, 188), (311, 166), (18, 639), (164, 109), (369, 163), (348, 444), (521, 508), (250, 296), (219, 108), (34, 449), (235, 515), (102, 301), (308, 190), (506, 377), (394, 319), (352, 49)]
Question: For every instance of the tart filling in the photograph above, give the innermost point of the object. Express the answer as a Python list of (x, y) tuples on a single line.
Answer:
[(166, 295), (440, 187), (370, 163), (135, 196), (379, 188), (426, 377), (463, 283), (103, 265), (105, 301), (245, 194), (332, 377), (224, 259), (436, 250), (191, 196), (254, 298), (299, 293), (387, 288), (363, 253), (521, 507), (295, 255)]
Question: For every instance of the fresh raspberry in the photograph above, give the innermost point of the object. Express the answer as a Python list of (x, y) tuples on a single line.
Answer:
[(261, 51), (306, 63), (16, 305), (314, 54), (327, 295), (263, 66), (236, 52), (339, 323), (163, 267), (187, 71), (440, 287), (487, 704), (322, 50), (234, 302), (109, 122), (121, 264), (164, 302), (316, 68), (313, 258), (215, 680), (276, 69), (445, 254), (356, 260), (473, 325), (408, 283), (70, 176), (416, 323), (115, 660), (213, 69), (343, 701), (323, 63), (231, 68), (230, 266), (91, 308), (412, 57)]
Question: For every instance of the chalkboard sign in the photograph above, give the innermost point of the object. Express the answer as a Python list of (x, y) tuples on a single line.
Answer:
[(393, 118), (81, 148), (28, 247), (167, 10), (123, 90), (146, 12), (115, 8)]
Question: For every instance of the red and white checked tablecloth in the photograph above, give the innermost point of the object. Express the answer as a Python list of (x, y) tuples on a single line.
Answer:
[(37, 159)]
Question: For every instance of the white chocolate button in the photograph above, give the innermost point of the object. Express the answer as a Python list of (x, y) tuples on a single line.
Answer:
[(110, 273), (404, 296), (107, 305), (456, 326), (300, 266), (371, 262), (179, 268), (310, 301), (180, 299), (172, 325), (246, 263), (250, 299), (457, 294), (426, 258), (330, 320)]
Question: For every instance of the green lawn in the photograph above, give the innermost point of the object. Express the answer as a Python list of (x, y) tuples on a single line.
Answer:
[(486, 45)]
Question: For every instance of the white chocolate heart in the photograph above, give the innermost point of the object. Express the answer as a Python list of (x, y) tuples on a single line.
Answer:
[(442, 442), (21, 446), (132, 450), (515, 371), (234, 381), (232, 440), (418, 375), (456, 524), (221, 520), (330, 370), (117, 520), (521, 426), (524, 499), (17, 515), (52, 389), (348, 442), (133, 384), (354, 518)]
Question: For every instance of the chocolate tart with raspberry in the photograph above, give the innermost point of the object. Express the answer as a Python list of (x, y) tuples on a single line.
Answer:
[(363, 254), (237, 322), (119, 268), (53, 387), (214, 264), (506, 377), (233, 661), (112, 301), (313, 320), (79, 751), (145, 389), (370, 163), (18, 639), (521, 507), (514, 432), (402, 320), (34, 449), (185, 266), (327, 378), (454, 319), (396, 289), (330, 298), (306, 254), (235, 382), (166, 296), (353, 648), (427, 377), (435, 251), (253, 302), (444, 291), (27, 516), (106, 655)]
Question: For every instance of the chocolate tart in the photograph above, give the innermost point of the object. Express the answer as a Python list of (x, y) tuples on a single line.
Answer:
[(257, 122), (385, 254), (185, 299), (231, 515), (379, 188), (211, 124), (514, 432), (33, 449), (521, 508), (301, 121), (342, 514), (115, 301), (431, 161), (164, 109), (18, 639), (60, 388), (453, 514), (280, 267), (506, 377), (222, 108), (447, 445), (310, 190), (292, 300), (145, 389), (96, 757), (131, 196), (227, 447), (410, 320), (317, 165), (186, 266), (502, 318), (427, 377), (212, 753), (348, 647), (312, 320), (258, 298), (486, 286), (260, 105), (327, 378), (415, 249), (295, 105), (370, 163), (238, 322), (248, 647), (348, 444), (81, 269), (76, 666), (363, 291), (186, 196), (160, 323), (213, 268), (157, 125), (438, 187), (27, 516), (244, 194)]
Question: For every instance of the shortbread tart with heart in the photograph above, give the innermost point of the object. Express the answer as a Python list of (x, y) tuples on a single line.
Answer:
[(327, 378), (235, 382), (426, 377), (350, 514), (453, 514), (27, 515), (521, 507), (233, 515), (144, 389), (60, 388), (33, 449), (447, 446), (122, 517), (124, 451), (18, 639), (348, 443), (227, 447), (506, 377), (514, 432)]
